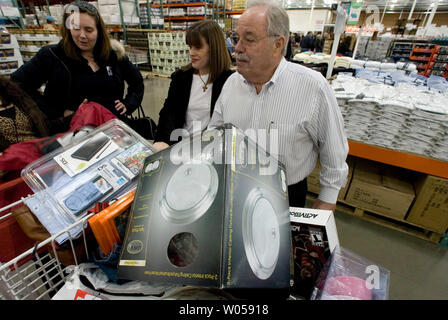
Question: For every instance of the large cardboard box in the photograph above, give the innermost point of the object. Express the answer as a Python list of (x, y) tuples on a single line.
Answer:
[(380, 189), (313, 179), (314, 237), (430, 209), (219, 219)]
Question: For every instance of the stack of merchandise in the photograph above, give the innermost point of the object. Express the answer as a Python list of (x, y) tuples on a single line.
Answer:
[(111, 14), (404, 67), (310, 57), (360, 114), (177, 12), (168, 51), (155, 13), (409, 116), (373, 65), (56, 11), (375, 50), (425, 132), (196, 11), (342, 62), (239, 5)]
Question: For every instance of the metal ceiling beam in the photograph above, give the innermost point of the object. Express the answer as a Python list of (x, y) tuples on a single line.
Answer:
[(412, 10)]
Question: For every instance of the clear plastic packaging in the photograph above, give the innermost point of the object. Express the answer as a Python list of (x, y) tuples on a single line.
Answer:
[(102, 166), (348, 276)]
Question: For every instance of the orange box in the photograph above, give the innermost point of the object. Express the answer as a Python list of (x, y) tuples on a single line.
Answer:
[(103, 225)]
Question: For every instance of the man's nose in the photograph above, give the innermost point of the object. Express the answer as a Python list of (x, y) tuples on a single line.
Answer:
[(239, 47)]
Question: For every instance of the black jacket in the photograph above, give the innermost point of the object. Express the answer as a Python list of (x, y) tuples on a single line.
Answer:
[(307, 43), (51, 66), (172, 116)]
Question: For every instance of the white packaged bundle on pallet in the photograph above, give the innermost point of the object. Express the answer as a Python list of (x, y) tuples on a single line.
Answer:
[(109, 9), (128, 8), (115, 19), (106, 18), (127, 19)]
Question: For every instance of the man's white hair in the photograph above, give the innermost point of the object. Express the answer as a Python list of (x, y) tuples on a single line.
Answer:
[(277, 18)]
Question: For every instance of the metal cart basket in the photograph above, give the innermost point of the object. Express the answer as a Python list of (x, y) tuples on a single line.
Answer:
[(41, 273)]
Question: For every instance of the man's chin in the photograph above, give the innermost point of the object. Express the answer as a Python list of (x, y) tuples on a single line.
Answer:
[(241, 67)]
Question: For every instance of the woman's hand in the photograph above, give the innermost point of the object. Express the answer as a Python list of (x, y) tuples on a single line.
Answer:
[(83, 102), (160, 145), (68, 113), (120, 106)]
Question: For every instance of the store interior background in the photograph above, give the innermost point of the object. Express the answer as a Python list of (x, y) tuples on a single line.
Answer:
[(418, 267)]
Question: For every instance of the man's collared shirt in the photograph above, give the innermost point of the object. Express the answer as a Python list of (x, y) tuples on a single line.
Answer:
[(300, 104)]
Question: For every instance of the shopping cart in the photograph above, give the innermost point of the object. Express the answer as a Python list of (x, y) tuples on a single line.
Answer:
[(37, 273)]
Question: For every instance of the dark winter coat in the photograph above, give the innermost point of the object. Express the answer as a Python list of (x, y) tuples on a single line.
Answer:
[(172, 116), (69, 82)]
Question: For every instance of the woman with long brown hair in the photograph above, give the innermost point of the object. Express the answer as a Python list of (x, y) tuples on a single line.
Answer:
[(195, 88), (86, 65)]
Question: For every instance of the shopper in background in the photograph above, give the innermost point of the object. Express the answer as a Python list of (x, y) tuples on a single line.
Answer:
[(229, 42), (50, 24), (86, 65), (289, 55), (319, 43), (307, 43), (298, 37), (344, 45), (195, 88), (270, 93)]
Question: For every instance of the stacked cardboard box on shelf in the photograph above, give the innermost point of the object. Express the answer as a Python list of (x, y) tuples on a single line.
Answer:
[(229, 4), (155, 13), (430, 209), (239, 4), (380, 189), (168, 51), (313, 179)]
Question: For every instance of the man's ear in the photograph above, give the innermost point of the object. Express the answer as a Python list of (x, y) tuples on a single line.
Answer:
[(280, 42)]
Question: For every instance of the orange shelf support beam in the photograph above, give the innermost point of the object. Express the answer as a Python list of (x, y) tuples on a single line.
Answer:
[(400, 159)]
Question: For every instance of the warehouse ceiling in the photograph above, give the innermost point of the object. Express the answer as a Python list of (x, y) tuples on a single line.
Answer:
[(392, 5)]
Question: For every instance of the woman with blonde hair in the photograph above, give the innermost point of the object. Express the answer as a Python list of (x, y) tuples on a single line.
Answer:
[(195, 88)]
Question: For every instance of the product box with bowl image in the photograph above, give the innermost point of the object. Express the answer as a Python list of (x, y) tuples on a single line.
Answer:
[(219, 218)]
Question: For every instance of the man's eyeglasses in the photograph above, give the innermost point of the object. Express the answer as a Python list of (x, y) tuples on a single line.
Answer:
[(248, 41)]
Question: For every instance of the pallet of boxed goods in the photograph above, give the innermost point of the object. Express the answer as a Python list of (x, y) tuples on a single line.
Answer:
[(382, 220), (406, 201)]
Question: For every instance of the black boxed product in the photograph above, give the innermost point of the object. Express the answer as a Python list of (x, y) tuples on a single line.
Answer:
[(219, 219), (314, 237)]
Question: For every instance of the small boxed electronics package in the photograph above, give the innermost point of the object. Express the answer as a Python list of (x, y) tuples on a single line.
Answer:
[(348, 276), (67, 182), (213, 211), (314, 237)]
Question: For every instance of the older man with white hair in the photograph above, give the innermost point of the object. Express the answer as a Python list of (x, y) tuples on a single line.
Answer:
[(271, 93)]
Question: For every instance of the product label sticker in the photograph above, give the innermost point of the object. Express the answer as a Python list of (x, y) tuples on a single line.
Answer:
[(80, 157), (82, 295)]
